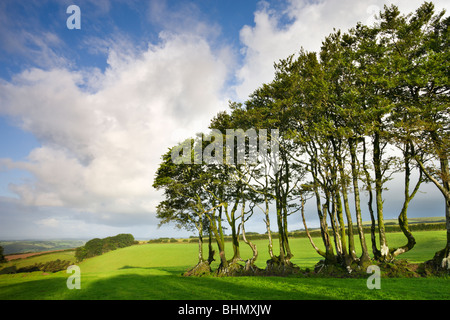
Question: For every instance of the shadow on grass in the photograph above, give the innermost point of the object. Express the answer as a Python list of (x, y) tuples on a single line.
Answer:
[(41, 289), (170, 285), (177, 287)]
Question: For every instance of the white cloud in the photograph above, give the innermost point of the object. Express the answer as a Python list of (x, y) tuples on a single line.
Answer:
[(101, 148), (49, 222), (103, 133)]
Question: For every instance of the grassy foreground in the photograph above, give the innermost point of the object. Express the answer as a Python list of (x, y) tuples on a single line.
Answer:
[(153, 271)]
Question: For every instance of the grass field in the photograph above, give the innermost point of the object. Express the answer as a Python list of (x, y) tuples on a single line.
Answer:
[(153, 271)]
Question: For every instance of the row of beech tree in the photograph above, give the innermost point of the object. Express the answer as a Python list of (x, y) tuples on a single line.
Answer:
[(97, 246), (373, 101)]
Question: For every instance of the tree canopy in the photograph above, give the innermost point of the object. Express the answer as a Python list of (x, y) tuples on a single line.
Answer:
[(372, 102)]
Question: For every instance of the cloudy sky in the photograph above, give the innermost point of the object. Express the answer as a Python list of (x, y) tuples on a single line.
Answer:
[(85, 114)]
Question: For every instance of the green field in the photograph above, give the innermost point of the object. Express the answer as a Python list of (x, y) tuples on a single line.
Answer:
[(153, 271)]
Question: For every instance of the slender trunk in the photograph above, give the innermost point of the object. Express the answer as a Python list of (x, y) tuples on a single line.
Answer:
[(337, 208), (334, 226), (266, 213), (235, 240), (250, 262), (340, 219), (446, 183), (403, 218), (269, 232), (446, 263), (279, 220), (318, 250), (351, 238), (200, 242), (384, 249), (280, 235), (322, 216), (375, 251), (216, 228), (284, 198), (287, 247), (221, 240), (365, 254), (211, 251), (231, 218), (342, 185)]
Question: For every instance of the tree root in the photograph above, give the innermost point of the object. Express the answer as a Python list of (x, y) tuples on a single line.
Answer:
[(201, 269)]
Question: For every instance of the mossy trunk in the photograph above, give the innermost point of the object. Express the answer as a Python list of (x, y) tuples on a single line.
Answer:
[(403, 218), (446, 177), (250, 262), (329, 252), (365, 254), (211, 251), (269, 232), (200, 243), (384, 248), (343, 184), (201, 269), (373, 239)]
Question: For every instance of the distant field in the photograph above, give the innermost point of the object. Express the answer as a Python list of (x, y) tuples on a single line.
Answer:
[(153, 271), (28, 255), (26, 246)]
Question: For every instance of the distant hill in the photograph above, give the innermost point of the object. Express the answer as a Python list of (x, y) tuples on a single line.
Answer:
[(410, 221), (26, 246)]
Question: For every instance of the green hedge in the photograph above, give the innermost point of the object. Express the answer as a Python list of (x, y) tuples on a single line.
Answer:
[(97, 246), (50, 266), (316, 232)]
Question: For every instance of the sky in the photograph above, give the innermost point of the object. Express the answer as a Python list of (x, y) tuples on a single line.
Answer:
[(86, 113)]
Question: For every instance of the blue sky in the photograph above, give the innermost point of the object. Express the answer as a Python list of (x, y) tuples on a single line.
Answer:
[(85, 114)]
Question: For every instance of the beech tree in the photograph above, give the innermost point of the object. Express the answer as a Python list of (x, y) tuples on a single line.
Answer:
[(372, 102), (419, 58), (185, 200)]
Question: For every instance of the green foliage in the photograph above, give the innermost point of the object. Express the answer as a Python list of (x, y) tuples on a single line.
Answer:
[(163, 240), (49, 266), (337, 113), (97, 246)]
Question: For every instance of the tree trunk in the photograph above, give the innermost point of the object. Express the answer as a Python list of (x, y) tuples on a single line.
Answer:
[(269, 232), (200, 242), (221, 243), (287, 247), (279, 209), (403, 218), (249, 265), (232, 222), (365, 254), (329, 253), (446, 183), (343, 188), (318, 250), (216, 227), (335, 228), (384, 249), (375, 251), (211, 251), (446, 256)]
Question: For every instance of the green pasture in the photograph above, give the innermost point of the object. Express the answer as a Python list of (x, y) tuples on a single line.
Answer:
[(153, 271)]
